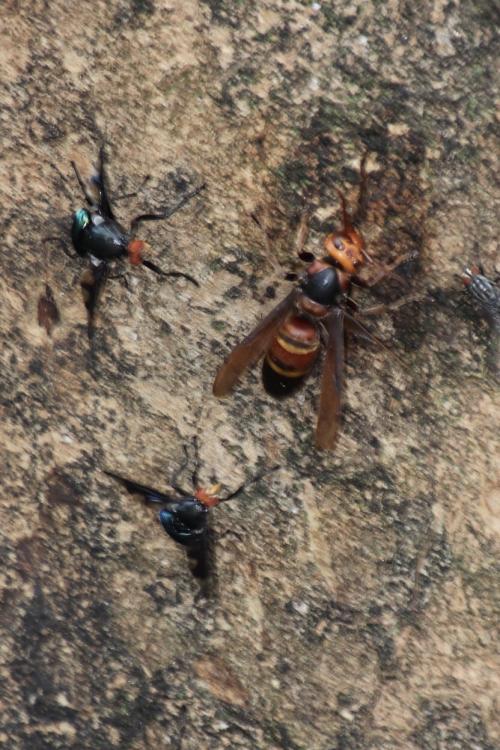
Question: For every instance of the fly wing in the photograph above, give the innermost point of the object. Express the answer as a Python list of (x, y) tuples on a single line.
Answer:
[(92, 283), (149, 494), (331, 383), (253, 347), (100, 181)]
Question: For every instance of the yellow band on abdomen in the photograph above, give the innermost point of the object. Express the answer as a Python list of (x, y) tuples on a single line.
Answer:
[(286, 373), (295, 347)]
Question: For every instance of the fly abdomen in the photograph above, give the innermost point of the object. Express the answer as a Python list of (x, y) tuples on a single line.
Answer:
[(291, 356), (181, 532)]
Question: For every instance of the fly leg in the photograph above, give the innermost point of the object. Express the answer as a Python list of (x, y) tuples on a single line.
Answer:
[(135, 193), (160, 217), (168, 213), (173, 274)]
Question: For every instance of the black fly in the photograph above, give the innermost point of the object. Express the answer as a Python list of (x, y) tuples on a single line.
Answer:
[(185, 515), (97, 235)]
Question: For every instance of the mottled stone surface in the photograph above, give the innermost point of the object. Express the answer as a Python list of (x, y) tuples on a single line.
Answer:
[(357, 594)]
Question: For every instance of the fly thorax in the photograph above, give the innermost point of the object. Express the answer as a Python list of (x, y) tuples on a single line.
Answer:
[(191, 513), (97, 219), (484, 290)]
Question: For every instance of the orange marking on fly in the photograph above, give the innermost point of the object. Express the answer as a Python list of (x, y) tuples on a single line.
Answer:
[(469, 273), (208, 497), (135, 249)]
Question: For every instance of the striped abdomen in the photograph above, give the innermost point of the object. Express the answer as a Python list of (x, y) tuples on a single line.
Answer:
[(291, 356)]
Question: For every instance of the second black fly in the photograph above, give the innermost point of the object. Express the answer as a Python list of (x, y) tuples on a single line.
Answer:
[(185, 515)]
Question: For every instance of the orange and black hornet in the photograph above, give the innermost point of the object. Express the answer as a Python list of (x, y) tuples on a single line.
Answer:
[(290, 336)]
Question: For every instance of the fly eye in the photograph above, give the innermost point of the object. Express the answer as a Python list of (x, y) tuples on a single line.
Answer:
[(81, 218), (339, 244)]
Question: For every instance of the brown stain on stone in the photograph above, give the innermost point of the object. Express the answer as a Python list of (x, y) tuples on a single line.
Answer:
[(61, 489), (221, 681)]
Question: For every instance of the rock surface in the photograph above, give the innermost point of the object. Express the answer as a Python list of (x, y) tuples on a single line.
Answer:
[(356, 601)]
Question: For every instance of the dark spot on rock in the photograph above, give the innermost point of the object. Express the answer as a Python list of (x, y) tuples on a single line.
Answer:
[(233, 292), (30, 555), (383, 643), (165, 328), (143, 6), (376, 139), (295, 174), (270, 292), (36, 367), (132, 13), (47, 130), (450, 725), (344, 699), (162, 596), (413, 324), (350, 738), (62, 489), (225, 11), (284, 666)]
